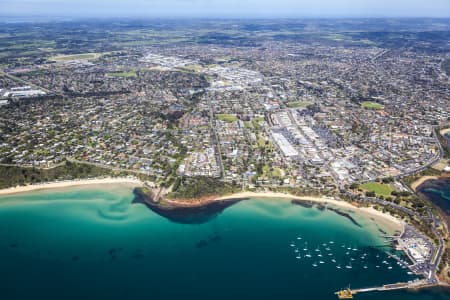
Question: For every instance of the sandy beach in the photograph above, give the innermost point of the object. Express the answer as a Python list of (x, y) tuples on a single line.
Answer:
[(421, 180), (444, 131), (69, 183), (388, 220)]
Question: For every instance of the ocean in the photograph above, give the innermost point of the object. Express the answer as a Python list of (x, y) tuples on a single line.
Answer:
[(93, 242)]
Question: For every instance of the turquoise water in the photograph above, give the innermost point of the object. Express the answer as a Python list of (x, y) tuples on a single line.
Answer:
[(93, 243)]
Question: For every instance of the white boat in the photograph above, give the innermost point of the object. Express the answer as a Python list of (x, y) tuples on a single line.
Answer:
[(314, 264), (319, 255), (321, 262), (338, 267), (333, 260)]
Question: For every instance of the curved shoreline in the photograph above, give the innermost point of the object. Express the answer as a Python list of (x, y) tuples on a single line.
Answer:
[(444, 131), (387, 219), (416, 184), (179, 205), (69, 183)]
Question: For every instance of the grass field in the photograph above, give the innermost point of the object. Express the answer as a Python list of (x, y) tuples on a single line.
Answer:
[(81, 56), (298, 104), (226, 118), (123, 74), (371, 105), (380, 189)]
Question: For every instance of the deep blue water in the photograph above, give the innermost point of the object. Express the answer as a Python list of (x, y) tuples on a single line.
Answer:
[(438, 191), (93, 243)]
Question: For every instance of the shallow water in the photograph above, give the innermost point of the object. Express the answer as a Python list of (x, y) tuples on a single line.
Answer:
[(91, 242)]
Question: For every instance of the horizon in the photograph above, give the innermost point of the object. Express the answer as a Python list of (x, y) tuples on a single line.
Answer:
[(218, 9)]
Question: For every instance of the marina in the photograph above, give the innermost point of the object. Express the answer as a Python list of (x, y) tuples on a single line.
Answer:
[(129, 243)]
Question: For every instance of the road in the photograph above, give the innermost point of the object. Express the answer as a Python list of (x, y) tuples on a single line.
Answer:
[(212, 123)]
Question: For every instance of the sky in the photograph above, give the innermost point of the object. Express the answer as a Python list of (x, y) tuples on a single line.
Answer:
[(225, 8)]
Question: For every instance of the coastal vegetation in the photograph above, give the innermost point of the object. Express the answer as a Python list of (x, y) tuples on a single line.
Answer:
[(198, 187), (12, 176), (409, 180)]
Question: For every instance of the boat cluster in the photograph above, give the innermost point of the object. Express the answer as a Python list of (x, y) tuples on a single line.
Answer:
[(341, 256)]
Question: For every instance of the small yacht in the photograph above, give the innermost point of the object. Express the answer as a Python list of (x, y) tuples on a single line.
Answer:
[(319, 255), (333, 260), (338, 267), (365, 267), (321, 262), (314, 264), (390, 268), (348, 266), (308, 255), (298, 257)]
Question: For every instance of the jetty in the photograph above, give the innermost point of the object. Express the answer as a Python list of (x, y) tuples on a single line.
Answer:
[(422, 264), (415, 284)]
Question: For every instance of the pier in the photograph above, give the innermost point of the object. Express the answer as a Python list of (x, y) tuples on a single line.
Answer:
[(424, 266), (416, 284)]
